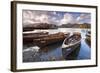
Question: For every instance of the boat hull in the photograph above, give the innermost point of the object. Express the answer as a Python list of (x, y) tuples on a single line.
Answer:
[(71, 43), (72, 53), (29, 37), (68, 50), (50, 39)]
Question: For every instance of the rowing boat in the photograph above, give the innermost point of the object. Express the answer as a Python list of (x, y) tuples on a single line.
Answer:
[(71, 43)]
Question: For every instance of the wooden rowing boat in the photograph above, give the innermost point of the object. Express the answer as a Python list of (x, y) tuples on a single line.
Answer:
[(28, 37), (71, 43), (50, 39)]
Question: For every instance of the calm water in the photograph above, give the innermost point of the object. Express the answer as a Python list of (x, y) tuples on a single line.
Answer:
[(54, 52)]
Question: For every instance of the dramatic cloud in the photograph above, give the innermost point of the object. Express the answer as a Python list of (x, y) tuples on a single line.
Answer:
[(68, 18), (53, 17), (30, 17), (84, 18)]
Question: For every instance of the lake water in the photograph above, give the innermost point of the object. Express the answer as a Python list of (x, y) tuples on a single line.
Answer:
[(54, 52)]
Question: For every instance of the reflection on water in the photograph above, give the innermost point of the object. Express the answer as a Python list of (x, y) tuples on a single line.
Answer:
[(85, 51), (55, 52)]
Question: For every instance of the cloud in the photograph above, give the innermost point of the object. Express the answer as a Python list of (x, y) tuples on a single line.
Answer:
[(53, 17), (44, 18), (55, 13), (84, 18), (67, 18), (30, 17)]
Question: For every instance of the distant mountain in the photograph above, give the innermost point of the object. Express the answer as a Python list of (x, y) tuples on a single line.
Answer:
[(30, 27), (85, 25)]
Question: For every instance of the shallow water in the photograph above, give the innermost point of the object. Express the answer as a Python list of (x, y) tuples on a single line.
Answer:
[(54, 52)]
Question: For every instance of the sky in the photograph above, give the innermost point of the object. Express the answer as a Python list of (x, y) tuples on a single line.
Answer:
[(55, 17)]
